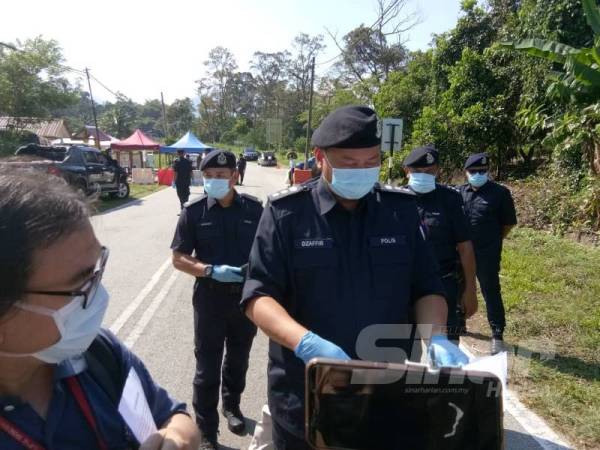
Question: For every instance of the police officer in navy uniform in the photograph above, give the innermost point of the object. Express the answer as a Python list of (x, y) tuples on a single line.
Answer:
[(212, 241), (448, 230), (182, 172), (491, 211), (333, 257)]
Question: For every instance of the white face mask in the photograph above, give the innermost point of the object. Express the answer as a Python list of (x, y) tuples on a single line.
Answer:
[(78, 327)]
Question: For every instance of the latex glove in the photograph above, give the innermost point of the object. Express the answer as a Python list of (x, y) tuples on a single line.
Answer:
[(227, 274), (173, 185), (443, 353), (312, 346)]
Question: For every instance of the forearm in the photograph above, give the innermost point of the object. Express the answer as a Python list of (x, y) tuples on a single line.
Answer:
[(467, 261), (432, 309), (182, 429), (275, 322), (188, 264)]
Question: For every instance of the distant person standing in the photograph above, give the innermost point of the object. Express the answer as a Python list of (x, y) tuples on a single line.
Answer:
[(212, 243), (447, 229), (182, 169), (492, 214), (241, 167)]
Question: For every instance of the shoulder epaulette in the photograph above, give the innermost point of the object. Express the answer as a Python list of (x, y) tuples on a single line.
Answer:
[(394, 189), (288, 192), (194, 201), (251, 197)]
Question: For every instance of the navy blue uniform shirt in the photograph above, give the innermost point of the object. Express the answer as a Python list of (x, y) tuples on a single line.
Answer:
[(217, 235), (336, 272), (183, 168), (443, 216), (488, 208), (65, 427)]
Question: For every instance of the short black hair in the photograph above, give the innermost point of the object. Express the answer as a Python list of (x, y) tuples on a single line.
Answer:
[(36, 209)]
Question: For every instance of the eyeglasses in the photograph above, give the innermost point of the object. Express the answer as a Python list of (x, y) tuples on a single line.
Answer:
[(479, 171), (88, 290)]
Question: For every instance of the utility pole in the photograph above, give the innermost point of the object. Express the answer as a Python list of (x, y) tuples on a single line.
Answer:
[(310, 105), (164, 115), (87, 73), (165, 126)]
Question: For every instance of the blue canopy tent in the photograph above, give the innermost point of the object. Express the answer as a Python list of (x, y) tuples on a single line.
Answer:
[(190, 143)]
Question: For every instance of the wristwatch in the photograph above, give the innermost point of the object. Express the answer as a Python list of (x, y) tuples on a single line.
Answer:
[(208, 270)]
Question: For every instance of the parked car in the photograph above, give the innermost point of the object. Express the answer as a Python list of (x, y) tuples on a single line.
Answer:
[(83, 167), (267, 159), (250, 154)]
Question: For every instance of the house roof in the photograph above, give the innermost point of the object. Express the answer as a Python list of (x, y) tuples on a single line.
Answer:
[(47, 128)]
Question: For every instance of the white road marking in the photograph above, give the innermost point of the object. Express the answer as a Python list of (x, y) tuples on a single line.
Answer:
[(149, 313), (531, 422), (137, 301)]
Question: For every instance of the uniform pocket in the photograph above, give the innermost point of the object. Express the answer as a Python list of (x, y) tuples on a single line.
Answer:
[(390, 271), (209, 241), (315, 284)]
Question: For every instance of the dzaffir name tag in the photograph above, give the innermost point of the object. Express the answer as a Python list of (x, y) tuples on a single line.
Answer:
[(387, 241), (314, 243)]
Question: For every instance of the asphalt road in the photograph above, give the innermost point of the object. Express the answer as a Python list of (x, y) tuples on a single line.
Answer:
[(151, 306)]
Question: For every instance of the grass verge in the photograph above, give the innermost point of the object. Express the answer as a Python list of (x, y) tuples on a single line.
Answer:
[(551, 290), (137, 191)]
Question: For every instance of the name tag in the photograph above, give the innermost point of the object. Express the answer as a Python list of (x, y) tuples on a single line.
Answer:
[(249, 222), (387, 241), (206, 224), (314, 243)]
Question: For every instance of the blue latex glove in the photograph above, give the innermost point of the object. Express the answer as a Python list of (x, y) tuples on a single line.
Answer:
[(443, 353), (227, 274), (173, 185), (312, 346)]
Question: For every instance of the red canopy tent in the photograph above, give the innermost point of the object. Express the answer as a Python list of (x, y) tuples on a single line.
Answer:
[(136, 142)]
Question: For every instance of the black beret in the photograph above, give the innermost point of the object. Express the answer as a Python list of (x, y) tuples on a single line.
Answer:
[(422, 157), (221, 159), (477, 160), (348, 127)]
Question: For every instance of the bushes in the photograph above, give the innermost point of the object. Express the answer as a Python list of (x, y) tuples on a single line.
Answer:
[(549, 202)]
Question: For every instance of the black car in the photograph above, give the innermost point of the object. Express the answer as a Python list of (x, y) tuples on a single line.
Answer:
[(250, 154), (84, 167)]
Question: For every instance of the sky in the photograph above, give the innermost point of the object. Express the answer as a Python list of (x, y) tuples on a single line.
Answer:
[(143, 48)]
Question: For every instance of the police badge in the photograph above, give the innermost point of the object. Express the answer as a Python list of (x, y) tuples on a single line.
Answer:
[(484, 160), (379, 129), (429, 158), (222, 159)]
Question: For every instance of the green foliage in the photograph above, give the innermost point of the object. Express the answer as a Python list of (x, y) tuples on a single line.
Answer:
[(32, 79)]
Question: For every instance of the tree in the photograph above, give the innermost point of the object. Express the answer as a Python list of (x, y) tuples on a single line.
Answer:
[(180, 116), (32, 79), (579, 85), (120, 118), (370, 53), (405, 93)]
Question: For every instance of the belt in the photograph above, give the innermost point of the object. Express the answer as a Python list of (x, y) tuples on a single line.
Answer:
[(221, 288)]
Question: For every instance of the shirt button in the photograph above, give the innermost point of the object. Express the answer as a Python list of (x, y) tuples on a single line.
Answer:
[(9, 408)]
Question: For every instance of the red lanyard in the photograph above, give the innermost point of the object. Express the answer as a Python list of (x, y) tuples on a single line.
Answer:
[(82, 401)]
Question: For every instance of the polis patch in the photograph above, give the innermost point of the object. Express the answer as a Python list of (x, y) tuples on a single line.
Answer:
[(310, 243), (387, 241)]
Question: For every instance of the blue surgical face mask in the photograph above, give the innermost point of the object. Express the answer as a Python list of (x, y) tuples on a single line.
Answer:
[(216, 187), (421, 183), (477, 179), (353, 184), (78, 327)]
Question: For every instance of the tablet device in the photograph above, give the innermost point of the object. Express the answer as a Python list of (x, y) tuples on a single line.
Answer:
[(358, 405)]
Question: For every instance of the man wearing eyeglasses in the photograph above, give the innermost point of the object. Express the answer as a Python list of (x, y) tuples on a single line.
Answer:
[(492, 214)]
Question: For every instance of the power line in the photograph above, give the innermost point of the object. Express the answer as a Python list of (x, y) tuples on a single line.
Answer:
[(104, 86)]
